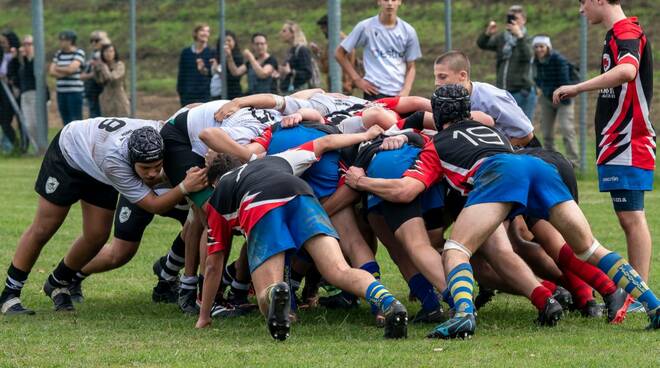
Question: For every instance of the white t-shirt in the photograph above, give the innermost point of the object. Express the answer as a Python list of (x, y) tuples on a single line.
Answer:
[(386, 52), (99, 147), (502, 107), (242, 126)]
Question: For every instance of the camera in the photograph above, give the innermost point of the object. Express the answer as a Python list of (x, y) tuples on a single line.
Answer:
[(510, 18)]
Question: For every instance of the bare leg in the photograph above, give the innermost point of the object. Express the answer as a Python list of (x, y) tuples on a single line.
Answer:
[(97, 223), (394, 248), (638, 240), (268, 273), (112, 256), (352, 243), (412, 234), (195, 230), (487, 277)]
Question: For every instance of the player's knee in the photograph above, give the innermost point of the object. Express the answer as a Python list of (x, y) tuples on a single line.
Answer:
[(629, 220)]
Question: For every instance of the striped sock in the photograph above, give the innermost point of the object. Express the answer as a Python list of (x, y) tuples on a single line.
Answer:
[(62, 275), (374, 269), (590, 274), (174, 261), (14, 283), (79, 277), (422, 289), (379, 296), (620, 271), (188, 282), (461, 286)]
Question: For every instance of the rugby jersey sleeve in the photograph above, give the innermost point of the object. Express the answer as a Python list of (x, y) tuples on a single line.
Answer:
[(627, 40), (219, 231), (124, 180), (356, 38), (427, 167), (414, 121), (300, 158), (265, 138)]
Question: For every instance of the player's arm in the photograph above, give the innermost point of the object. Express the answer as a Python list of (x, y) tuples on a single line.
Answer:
[(333, 142), (402, 190), (343, 197), (235, 70), (69, 69), (52, 70), (212, 274), (620, 74), (219, 141), (408, 104), (306, 94), (409, 80), (257, 101), (194, 181)]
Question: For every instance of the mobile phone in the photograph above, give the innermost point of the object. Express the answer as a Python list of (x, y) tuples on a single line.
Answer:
[(510, 18)]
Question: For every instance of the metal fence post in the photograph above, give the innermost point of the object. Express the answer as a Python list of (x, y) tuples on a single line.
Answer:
[(334, 29), (133, 59), (584, 95), (448, 25), (221, 51), (39, 73)]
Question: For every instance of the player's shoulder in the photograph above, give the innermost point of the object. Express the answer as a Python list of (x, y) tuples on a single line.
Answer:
[(407, 27), (628, 28)]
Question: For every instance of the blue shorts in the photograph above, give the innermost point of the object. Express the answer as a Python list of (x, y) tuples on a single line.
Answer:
[(287, 228), (618, 177), (531, 184), (627, 200)]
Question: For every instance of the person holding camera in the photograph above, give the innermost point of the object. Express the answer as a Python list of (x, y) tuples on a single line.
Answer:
[(514, 53)]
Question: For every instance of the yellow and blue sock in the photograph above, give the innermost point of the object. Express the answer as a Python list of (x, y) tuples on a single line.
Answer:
[(379, 296), (374, 269), (461, 286), (622, 273), (422, 289)]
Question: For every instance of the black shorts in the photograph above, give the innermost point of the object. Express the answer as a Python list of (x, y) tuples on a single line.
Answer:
[(178, 155), (131, 220), (61, 184), (396, 214)]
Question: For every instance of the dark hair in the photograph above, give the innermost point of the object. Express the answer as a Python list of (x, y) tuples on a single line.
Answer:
[(323, 21), (12, 38), (220, 48), (255, 35), (455, 60), (105, 47), (68, 35), (221, 164), (450, 104), (614, 2)]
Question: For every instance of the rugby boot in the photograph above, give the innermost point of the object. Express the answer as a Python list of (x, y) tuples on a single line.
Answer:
[(341, 300), (396, 321), (75, 289), (12, 306), (456, 327), (60, 296), (617, 305), (188, 301), (165, 291), (564, 297), (655, 320), (279, 310), (551, 313), (430, 316), (592, 309), (483, 297)]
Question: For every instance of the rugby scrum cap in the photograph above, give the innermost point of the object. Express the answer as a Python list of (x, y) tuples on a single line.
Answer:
[(450, 103), (145, 145)]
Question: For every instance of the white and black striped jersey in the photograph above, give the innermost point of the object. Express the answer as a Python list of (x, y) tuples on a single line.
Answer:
[(72, 82)]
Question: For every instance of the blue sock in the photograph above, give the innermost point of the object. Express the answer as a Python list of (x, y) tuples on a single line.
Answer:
[(373, 268), (461, 285), (379, 296), (421, 288), (622, 273), (446, 297)]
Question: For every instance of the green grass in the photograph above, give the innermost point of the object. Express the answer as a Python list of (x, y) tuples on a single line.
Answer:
[(118, 325)]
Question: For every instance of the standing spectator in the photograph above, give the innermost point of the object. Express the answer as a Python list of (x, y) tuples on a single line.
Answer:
[(322, 55), (27, 85), (296, 71), (390, 50), (9, 44), (625, 138), (110, 73), (92, 88), (66, 67), (552, 70), (233, 51), (260, 66), (194, 79), (514, 55)]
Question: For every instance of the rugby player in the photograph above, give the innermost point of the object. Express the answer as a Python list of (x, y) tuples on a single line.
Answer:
[(91, 161), (475, 160)]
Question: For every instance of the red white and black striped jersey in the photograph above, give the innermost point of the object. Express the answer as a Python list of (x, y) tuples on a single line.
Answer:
[(337, 116), (624, 133), (244, 195), (456, 153)]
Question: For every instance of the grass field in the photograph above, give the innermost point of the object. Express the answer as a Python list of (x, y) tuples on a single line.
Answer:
[(119, 326)]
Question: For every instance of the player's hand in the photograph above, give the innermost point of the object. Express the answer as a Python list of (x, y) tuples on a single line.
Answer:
[(203, 322), (373, 132), (291, 121), (227, 110), (200, 65), (247, 54), (491, 28), (564, 92), (196, 179), (515, 30), (393, 143), (366, 86), (353, 175)]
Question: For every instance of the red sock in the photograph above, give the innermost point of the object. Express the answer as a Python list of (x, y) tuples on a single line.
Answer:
[(549, 285), (581, 292), (592, 275), (539, 297)]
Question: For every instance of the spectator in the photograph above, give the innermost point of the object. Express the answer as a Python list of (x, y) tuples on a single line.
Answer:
[(66, 67), (194, 77), (390, 50), (9, 44), (260, 66), (296, 71), (514, 53), (322, 55), (110, 72), (92, 89), (552, 70), (233, 51), (27, 85)]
